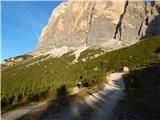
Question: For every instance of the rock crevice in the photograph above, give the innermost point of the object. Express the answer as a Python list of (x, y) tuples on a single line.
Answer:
[(101, 23), (119, 25), (90, 20)]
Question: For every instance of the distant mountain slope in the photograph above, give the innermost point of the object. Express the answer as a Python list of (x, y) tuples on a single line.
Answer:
[(39, 77), (104, 23)]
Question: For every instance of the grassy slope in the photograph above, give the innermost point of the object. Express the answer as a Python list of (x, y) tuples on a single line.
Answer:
[(90, 53), (22, 84)]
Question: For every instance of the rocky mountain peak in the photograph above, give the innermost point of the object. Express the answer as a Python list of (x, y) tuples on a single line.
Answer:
[(108, 24)]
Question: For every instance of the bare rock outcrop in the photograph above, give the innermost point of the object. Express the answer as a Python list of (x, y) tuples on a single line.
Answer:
[(109, 24), (11, 61)]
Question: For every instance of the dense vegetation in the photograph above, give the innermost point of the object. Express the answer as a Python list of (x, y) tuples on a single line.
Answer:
[(26, 81)]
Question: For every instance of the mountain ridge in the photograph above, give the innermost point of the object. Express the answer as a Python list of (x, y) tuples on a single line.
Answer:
[(108, 24)]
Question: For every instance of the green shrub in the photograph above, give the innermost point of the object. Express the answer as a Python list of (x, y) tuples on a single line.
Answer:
[(33, 82)]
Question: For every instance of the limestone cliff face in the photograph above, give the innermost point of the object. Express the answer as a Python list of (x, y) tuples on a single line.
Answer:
[(104, 23)]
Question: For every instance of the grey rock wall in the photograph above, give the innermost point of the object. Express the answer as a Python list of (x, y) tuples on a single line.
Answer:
[(101, 23)]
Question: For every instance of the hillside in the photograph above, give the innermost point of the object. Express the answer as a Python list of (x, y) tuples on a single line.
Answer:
[(39, 77)]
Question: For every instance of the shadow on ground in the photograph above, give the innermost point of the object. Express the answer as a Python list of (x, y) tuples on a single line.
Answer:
[(97, 106), (143, 95), (54, 106)]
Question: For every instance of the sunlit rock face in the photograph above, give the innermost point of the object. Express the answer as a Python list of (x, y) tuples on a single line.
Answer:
[(105, 23)]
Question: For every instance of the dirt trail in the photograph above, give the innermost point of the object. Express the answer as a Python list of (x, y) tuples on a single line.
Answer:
[(96, 106), (106, 100), (17, 113)]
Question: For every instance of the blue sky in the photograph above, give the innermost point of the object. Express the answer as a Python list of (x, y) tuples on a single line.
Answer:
[(21, 24)]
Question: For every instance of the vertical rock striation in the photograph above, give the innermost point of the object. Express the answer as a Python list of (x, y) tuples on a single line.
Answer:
[(104, 23)]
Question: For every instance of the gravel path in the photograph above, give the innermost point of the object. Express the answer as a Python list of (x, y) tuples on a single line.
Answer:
[(96, 106), (17, 113), (109, 98)]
